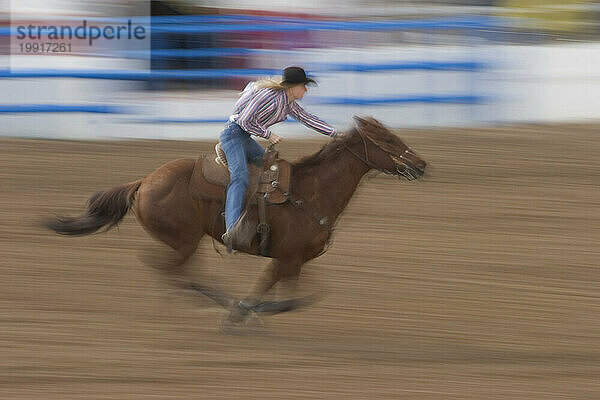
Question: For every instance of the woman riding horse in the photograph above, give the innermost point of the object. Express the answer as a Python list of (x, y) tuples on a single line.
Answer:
[(179, 211), (261, 104)]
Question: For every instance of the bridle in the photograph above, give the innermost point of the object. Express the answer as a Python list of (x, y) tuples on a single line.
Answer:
[(403, 167)]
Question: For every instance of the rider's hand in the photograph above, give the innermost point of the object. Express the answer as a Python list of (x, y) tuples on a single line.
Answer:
[(274, 139)]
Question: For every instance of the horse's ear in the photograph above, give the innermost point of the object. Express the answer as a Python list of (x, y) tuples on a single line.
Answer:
[(367, 121), (373, 121), (361, 121)]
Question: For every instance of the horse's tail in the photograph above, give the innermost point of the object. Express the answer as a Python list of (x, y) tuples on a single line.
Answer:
[(105, 208)]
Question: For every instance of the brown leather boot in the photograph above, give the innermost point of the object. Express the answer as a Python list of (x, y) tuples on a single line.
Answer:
[(239, 236), (226, 238)]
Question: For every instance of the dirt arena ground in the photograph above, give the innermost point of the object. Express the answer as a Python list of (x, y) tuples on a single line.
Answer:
[(480, 282)]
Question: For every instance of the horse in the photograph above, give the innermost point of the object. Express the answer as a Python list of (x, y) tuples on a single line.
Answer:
[(172, 208)]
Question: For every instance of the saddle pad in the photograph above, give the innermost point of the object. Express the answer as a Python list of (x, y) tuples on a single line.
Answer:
[(274, 184), (200, 187), (210, 179), (218, 174), (214, 172)]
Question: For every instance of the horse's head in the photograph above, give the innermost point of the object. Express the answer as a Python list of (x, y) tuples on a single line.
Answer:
[(386, 152)]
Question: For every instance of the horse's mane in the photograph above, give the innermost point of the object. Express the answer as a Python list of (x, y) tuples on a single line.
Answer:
[(326, 151)]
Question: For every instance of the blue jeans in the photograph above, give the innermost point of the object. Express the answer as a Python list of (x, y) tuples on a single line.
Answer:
[(240, 149)]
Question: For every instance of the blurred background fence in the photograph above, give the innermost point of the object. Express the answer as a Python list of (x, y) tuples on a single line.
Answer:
[(410, 67)]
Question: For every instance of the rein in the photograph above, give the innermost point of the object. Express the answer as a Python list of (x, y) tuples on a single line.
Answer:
[(324, 222), (398, 161)]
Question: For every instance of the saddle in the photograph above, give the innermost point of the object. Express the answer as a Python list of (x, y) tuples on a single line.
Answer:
[(268, 184), (271, 180)]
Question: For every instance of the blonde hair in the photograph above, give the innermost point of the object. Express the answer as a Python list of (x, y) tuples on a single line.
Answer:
[(272, 83)]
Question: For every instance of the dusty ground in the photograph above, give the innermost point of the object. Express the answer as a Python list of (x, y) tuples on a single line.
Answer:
[(480, 282)]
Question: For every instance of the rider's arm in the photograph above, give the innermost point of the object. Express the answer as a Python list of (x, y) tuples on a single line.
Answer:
[(311, 121), (261, 104)]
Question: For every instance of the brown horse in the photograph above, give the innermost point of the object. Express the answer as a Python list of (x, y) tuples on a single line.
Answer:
[(171, 209)]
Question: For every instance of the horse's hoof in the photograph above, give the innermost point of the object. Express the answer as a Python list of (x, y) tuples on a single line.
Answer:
[(252, 326)]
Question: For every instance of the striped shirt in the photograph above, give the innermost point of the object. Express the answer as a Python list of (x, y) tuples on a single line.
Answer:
[(257, 109)]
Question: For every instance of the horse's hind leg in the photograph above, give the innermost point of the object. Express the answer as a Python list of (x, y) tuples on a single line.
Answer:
[(174, 219), (173, 264)]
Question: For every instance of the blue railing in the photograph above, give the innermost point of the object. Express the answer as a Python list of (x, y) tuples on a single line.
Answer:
[(61, 108), (218, 24), (139, 75), (246, 23)]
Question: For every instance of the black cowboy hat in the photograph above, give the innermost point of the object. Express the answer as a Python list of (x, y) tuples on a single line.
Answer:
[(296, 76)]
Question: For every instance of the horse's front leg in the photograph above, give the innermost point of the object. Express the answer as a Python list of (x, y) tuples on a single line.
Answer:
[(273, 272)]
